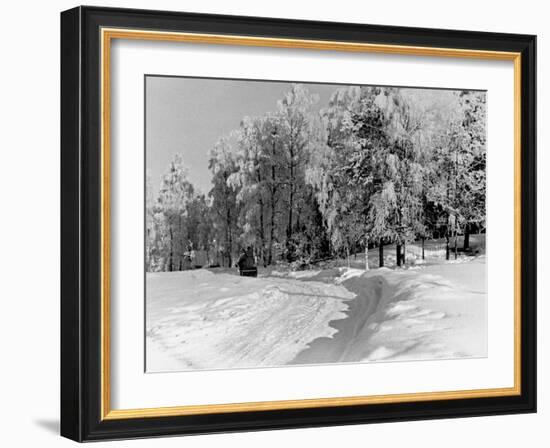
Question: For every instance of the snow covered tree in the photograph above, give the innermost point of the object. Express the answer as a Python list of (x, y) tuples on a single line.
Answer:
[(174, 195), (223, 194), (198, 222), (385, 168), (370, 166), (297, 137), (458, 186), (341, 204), (273, 180), (405, 168), (473, 162), (251, 179), (375, 166), (149, 223)]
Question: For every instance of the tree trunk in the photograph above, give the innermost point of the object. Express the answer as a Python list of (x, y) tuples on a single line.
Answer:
[(170, 258), (229, 238), (262, 233), (447, 248), (289, 229), (182, 254), (273, 204), (290, 206), (149, 251), (380, 254), (347, 256), (456, 245), (366, 254), (398, 253), (404, 254), (271, 232), (423, 241), (467, 237)]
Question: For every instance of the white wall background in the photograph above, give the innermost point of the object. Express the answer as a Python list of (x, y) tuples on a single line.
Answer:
[(29, 188)]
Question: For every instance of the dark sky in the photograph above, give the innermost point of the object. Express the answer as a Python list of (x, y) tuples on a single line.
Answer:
[(188, 115)]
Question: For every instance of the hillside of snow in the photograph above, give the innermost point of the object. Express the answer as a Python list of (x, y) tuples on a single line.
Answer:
[(200, 320), (205, 319)]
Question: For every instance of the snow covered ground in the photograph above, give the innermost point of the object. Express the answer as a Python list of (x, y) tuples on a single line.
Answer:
[(214, 319)]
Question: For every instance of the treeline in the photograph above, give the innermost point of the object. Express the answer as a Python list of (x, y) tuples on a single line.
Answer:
[(302, 184)]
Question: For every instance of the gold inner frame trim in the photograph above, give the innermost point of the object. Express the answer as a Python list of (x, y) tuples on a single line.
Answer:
[(107, 35)]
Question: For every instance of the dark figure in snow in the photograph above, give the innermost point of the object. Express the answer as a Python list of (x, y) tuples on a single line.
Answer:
[(246, 263)]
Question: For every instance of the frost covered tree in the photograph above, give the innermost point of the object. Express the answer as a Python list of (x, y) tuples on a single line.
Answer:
[(225, 207), (473, 162), (297, 134), (458, 187), (343, 207), (150, 236), (175, 193), (252, 180), (198, 222), (273, 179), (384, 169), (302, 183), (278, 207), (405, 169)]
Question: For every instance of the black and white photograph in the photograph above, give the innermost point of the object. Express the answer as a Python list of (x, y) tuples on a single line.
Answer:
[(275, 224), (304, 223)]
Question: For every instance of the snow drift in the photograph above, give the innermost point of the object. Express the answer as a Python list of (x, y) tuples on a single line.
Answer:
[(201, 320), (205, 320), (435, 312)]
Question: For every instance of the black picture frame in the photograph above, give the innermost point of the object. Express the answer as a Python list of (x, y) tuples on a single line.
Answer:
[(81, 224)]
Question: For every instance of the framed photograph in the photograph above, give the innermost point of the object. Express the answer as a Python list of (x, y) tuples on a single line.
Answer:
[(272, 223)]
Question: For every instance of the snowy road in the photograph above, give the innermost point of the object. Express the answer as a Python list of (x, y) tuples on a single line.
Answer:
[(204, 320), (437, 312), (200, 320)]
